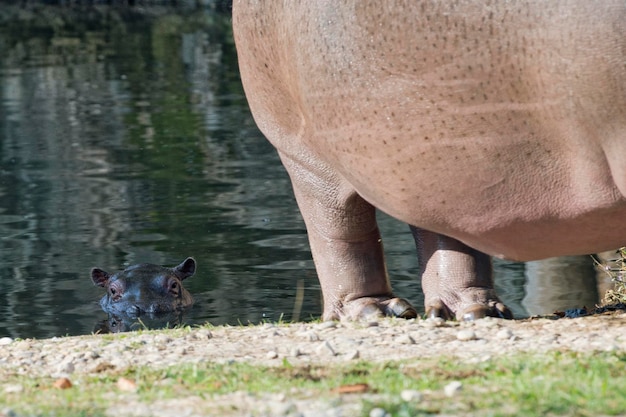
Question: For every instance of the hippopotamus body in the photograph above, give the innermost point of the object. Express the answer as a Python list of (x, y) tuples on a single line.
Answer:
[(492, 128), (145, 289)]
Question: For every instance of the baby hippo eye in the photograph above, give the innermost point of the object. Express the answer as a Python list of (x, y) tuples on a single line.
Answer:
[(174, 286), (116, 291)]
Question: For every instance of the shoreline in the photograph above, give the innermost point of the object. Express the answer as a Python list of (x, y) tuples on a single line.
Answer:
[(311, 343)]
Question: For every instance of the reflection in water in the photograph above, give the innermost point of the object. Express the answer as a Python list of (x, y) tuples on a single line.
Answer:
[(125, 138), (118, 324), (552, 284)]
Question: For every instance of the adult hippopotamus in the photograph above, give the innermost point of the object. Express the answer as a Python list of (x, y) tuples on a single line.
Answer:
[(145, 289), (492, 128)]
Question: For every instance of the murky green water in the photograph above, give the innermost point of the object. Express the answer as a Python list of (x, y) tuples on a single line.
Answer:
[(125, 137)]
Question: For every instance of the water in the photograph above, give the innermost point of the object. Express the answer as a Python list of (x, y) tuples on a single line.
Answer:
[(125, 137)]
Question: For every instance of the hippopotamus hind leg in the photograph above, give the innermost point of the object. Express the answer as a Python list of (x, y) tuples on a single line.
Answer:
[(457, 280)]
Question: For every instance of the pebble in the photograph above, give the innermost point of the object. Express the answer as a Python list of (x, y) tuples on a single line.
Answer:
[(466, 335), (327, 325), (453, 388), (487, 322), (66, 367), (504, 334), (8, 412), (272, 354), (90, 355), (433, 322), (13, 389), (4, 341), (295, 352), (162, 339), (405, 339), (204, 335), (62, 383), (125, 384), (310, 336), (410, 395), (353, 354), (282, 408), (378, 412), (325, 348)]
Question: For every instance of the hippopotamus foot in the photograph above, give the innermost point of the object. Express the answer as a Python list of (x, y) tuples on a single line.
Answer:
[(491, 308), (368, 308), (457, 280)]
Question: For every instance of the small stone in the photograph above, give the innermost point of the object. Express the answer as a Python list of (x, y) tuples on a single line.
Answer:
[(353, 389), (411, 395), (378, 412), (13, 389), (488, 322), (504, 334), (62, 383), (466, 335), (204, 334), (327, 325), (295, 352), (405, 339), (433, 322), (162, 339), (479, 359), (125, 384), (4, 341), (311, 336), (354, 354), (453, 388), (7, 412), (103, 366), (66, 367), (91, 355), (282, 408), (325, 348), (271, 354)]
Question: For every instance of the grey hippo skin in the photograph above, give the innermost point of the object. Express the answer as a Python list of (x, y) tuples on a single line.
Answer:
[(145, 289), (491, 127)]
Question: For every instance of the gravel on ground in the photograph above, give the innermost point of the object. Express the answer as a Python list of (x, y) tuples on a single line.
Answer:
[(324, 343)]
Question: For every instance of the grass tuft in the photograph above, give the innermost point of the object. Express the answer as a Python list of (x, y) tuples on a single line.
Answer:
[(616, 269)]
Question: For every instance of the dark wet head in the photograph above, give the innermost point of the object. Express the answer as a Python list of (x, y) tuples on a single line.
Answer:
[(145, 288)]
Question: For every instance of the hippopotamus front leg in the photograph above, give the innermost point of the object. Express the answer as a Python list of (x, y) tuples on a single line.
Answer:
[(457, 280), (345, 244)]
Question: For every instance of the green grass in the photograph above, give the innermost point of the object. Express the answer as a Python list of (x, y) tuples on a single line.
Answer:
[(568, 384)]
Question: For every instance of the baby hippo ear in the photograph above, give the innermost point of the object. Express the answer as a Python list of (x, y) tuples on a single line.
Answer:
[(99, 277), (186, 269)]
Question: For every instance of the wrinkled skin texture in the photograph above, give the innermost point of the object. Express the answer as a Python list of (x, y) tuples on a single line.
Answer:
[(493, 128), (145, 289)]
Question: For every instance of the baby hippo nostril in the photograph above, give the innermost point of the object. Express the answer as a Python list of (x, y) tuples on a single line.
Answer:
[(134, 310)]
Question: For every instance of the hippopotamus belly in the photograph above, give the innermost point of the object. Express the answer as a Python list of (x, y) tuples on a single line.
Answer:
[(499, 128)]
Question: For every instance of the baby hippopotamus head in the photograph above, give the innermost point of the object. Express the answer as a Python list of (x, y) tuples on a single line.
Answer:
[(145, 288)]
